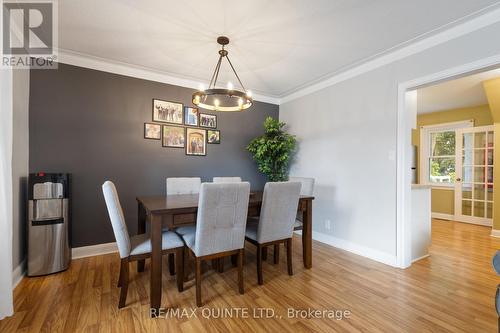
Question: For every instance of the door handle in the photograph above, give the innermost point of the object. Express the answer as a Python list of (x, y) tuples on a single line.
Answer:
[(458, 179)]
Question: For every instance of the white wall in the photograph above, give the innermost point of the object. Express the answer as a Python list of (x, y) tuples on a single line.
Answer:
[(347, 135), (20, 162)]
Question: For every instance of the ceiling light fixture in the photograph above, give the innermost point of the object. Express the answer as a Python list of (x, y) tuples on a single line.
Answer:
[(223, 99)]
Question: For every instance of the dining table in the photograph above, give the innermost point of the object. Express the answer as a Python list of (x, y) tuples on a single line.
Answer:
[(172, 211)]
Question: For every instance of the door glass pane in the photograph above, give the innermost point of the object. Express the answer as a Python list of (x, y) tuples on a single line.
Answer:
[(467, 174), (490, 157), (489, 210), (479, 176), (490, 175), (467, 141), (466, 207), (490, 139), (480, 140), (466, 191), (442, 169), (489, 192), (467, 157), (479, 156), (479, 192), (479, 208)]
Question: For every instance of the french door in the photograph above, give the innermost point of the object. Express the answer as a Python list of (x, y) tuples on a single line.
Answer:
[(474, 175)]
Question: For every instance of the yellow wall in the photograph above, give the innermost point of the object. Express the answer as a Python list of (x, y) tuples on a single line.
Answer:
[(443, 199), (492, 90)]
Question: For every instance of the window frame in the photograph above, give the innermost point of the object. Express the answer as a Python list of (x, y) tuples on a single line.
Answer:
[(425, 134)]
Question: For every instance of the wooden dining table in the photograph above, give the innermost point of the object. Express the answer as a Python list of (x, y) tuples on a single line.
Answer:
[(173, 211)]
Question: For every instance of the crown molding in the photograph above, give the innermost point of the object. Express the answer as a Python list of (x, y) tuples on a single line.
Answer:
[(383, 59), (122, 68)]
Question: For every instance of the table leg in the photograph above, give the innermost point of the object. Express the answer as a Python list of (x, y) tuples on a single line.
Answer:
[(307, 235), (156, 245), (141, 229)]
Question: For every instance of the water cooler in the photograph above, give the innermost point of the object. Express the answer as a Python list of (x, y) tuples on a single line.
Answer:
[(49, 240)]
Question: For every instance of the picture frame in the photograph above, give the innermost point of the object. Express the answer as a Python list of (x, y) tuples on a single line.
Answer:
[(152, 131), (173, 136), (168, 112), (213, 137), (196, 141), (191, 116), (208, 120)]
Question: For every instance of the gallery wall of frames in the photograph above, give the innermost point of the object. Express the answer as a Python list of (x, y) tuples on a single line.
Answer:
[(180, 126)]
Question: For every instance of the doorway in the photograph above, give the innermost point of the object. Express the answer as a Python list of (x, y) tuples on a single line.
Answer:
[(471, 181)]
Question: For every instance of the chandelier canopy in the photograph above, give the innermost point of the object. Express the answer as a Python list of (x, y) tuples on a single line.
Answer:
[(223, 99)]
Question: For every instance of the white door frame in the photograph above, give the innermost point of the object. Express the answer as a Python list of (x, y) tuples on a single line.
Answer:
[(403, 174)]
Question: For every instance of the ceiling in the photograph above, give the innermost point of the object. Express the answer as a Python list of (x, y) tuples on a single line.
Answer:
[(277, 47), (454, 94)]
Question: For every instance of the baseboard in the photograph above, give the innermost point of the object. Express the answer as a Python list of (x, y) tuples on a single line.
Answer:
[(495, 233), (442, 216), (18, 273), (93, 250), (363, 251), (420, 258)]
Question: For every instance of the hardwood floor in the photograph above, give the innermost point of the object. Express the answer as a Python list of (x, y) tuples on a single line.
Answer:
[(452, 291)]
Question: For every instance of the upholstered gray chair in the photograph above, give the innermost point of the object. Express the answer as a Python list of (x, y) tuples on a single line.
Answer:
[(227, 180), (275, 225), (183, 185), (220, 227), (306, 189), (136, 247)]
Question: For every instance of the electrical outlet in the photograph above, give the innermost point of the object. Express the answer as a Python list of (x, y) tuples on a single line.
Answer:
[(328, 224)]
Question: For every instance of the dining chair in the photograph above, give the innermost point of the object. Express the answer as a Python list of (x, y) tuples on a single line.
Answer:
[(227, 180), (136, 247), (220, 227), (306, 189), (275, 224), (181, 185)]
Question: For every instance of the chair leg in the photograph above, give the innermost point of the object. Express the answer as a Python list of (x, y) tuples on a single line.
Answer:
[(234, 260), (276, 253), (179, 261), (260, 280), (215, 265), (171, 263), (289, 256), (220, 265), (264, 253), (124, 282), (198, 281), (241, 288)]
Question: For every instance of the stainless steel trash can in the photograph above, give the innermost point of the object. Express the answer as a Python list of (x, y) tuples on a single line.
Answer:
[(49, 248)]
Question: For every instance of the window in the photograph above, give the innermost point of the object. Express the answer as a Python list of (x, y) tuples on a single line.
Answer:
[(437, 151)]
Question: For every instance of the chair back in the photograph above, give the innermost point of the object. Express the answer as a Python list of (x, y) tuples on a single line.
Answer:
[(117, 218), (227, 180), (222, 217), (279, 207), (307, 184), (183, 185)]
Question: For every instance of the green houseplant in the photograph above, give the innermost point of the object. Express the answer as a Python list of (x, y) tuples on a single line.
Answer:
[(273, 150)]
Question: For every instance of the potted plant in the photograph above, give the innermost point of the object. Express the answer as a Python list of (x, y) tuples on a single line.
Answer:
[(273, 150)]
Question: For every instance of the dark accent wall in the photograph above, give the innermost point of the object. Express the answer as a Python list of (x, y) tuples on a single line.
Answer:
[(91, 124)]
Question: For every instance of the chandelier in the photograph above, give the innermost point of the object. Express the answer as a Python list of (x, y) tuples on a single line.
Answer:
[(223, 99)]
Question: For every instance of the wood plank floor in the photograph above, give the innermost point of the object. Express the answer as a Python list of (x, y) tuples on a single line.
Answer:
[(452, 291)]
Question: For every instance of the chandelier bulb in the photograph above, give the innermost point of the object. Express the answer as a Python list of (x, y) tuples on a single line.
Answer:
[(249, 93), (229, 86)]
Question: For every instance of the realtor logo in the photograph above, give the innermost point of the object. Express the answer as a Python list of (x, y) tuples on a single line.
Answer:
[(29, 34)]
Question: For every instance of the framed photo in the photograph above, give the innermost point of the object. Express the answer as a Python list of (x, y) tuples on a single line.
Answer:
[(191, 116), (213, 136), (173, 136), (152, 131), (208, 120), (196, 143), (167, 112)]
